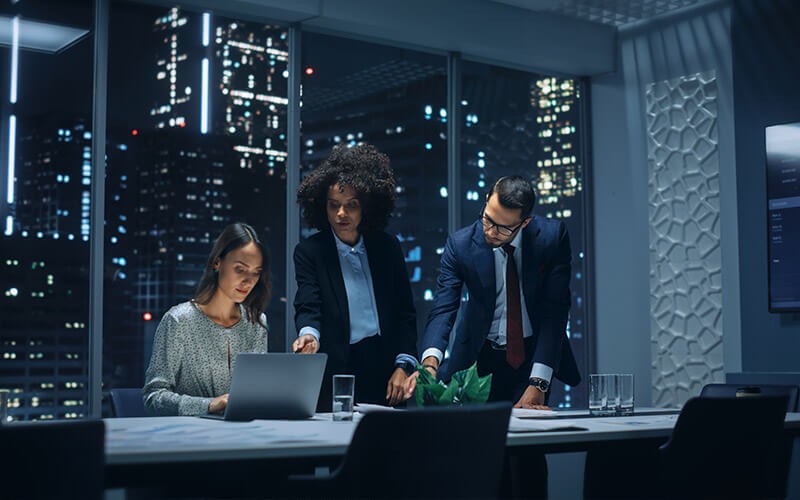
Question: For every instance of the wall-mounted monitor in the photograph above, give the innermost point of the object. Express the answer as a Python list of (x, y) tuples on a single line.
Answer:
[(783, 212)]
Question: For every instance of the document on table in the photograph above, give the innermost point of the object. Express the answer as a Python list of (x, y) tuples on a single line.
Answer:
[(371, 408), (533, 425), (528, 413)]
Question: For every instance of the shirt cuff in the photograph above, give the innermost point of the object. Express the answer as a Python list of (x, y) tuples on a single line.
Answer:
[(407, 362), (432, 351), (310, 330), (541, 371)]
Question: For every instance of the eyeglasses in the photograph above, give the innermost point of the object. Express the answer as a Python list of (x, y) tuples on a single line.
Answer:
[(488, 224)]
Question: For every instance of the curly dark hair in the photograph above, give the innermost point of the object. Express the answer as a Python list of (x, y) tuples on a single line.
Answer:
[(363, 168)]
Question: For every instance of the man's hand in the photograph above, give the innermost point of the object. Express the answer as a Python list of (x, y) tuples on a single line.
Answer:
[(395, 389), (431, 364), (533, 399), (218, 404), (306, 344)]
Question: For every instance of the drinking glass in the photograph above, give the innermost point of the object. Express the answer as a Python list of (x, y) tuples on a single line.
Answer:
[(343, 393)]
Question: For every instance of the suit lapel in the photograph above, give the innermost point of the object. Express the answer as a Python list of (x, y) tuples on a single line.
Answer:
[(483, 259), (333, 269), (378, 267), (531, 257)]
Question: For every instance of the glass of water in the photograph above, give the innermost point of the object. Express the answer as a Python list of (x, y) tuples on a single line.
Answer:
[(603, 395), (343, 394), (626, 392)]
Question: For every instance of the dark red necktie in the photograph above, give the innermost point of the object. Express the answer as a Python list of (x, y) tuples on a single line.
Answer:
[(515, 348)]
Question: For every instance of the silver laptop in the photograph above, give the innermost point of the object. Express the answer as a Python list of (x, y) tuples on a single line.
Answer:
[(274, 386)]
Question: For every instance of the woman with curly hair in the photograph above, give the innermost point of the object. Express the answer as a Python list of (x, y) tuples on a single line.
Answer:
[(353, 297)]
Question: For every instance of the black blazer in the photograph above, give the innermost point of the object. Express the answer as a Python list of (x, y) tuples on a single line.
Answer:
[(321, 299)]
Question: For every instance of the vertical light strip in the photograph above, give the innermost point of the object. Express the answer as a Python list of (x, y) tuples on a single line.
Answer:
[(9, 225), (14, 58), (204, 99), (454, 117), (292, 175), (12, 152), (98, 207), (206, 29)]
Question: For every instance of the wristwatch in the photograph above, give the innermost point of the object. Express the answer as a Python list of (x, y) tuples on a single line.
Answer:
[(540, 383)]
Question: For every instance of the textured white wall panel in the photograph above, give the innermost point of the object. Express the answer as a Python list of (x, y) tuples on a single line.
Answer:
[(685, 253)]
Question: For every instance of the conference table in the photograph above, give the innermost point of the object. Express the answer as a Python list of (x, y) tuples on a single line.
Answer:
[(181, 451)]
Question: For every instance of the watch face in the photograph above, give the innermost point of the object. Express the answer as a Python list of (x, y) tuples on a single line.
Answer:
[(540, 384)]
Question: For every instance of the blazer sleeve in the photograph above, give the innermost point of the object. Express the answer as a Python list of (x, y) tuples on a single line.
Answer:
[(447, 300), (308, 299), (553, 309)]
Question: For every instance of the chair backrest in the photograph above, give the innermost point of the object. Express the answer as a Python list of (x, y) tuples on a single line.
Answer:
[(52, 459), (127, 403), (746, 390), (726, 448), (450, 452)]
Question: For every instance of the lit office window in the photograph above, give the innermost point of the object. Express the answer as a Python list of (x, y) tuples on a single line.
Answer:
[(45, 179), (392, 98), (519, 123), (195, 142)]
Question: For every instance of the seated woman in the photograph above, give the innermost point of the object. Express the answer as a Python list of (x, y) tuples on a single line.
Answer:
[(353, 297), (196, 343)]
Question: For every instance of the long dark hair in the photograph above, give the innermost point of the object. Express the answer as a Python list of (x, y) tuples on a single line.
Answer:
[(363, 168), (233, 237)]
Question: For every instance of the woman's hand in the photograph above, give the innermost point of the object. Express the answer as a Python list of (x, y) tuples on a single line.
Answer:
[(396, 388), (305, 344), (218, 404)]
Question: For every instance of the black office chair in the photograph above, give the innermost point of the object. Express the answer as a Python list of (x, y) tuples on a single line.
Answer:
[(450, 452), (127, 403), (727, 448), (52, 460), (738, 390)]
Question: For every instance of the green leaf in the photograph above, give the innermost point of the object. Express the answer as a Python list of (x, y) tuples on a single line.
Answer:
[(465, 387), (449, 395), (425, 376)]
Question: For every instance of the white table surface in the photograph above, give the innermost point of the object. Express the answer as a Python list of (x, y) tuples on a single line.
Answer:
[(187, 439)]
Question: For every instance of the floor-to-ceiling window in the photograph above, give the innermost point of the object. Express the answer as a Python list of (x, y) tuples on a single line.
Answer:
[(46, 180), (196, 140), (521, 123), (394, 99)]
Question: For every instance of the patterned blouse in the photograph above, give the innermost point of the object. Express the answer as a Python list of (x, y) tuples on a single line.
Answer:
[(193, 359)]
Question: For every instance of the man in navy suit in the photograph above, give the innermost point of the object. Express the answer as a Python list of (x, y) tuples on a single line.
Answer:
[(516, 269)]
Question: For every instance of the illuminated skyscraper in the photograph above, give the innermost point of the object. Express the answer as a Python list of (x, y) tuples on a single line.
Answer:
[(183, 202), (178, 68), (54, 180), (560, 173), (224, 77), (43, 349), (251, 61)]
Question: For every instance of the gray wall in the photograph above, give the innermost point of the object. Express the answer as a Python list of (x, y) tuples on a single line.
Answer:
[(766, 70), (694, 41)]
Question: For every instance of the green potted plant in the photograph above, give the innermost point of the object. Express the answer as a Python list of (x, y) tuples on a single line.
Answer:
[(465, 387)]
